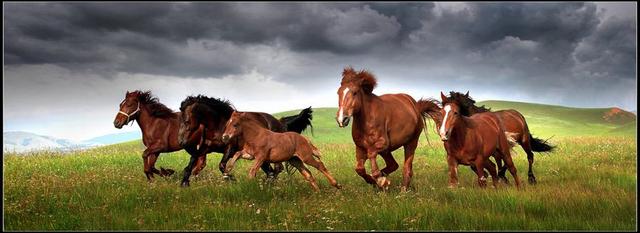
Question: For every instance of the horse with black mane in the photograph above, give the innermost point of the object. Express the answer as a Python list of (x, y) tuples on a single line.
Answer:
[(515, 125), (472, 140), (159, 126), (203, 125)]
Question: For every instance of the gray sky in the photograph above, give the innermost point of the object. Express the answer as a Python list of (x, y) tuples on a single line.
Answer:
[(67, 66)]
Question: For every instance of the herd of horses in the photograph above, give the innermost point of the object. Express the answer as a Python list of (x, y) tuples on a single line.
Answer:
[(381, 124)]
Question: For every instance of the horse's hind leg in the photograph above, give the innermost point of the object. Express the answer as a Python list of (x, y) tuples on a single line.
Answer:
[(320, 166), (297, 163), (509, 163), (480, 164), (502, 170), (407, 170), (492, 170), (526, 146)]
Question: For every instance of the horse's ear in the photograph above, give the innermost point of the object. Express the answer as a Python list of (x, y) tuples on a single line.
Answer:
[(442, 96), (467, 95), (127, 93)]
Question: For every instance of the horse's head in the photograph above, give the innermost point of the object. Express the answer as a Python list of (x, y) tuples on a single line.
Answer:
[(129, 109), (451, 115), (353, 87), (191, 131), (233, 128)]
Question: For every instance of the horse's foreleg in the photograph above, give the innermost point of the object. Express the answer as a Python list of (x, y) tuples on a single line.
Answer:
[(453, 171), (232, 162), (147, 166), (231, 150), (188, 169), (200, 164), (390, 164), (258, 162), (361, 157)]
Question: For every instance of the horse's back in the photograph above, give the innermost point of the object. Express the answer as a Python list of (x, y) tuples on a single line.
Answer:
[(403, 119), (267, 120), (514, 122)]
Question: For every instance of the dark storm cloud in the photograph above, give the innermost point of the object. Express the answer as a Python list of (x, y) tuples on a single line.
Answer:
[(532, 40)]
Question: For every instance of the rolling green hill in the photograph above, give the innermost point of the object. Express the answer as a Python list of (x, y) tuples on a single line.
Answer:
[(544, 121), (588, 183)]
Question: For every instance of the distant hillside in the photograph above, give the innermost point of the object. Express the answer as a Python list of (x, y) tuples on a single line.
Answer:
[(566, 121), (116, 137), (544, 121), (18, 141)]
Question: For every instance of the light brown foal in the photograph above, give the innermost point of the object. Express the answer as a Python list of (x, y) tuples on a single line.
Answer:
[(264, 145)]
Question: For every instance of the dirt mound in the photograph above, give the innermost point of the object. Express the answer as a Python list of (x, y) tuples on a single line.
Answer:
[(618, 116)]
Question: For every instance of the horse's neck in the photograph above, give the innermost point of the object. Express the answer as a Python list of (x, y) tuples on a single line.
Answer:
[(145, 119), (461, 131), (251, 130), (369, 101)]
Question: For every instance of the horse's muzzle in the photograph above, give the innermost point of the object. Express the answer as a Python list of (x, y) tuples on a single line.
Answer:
[(344, 122), (117, 124)]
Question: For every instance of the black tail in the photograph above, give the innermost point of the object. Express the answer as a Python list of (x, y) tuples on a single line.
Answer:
[(538, 145), (298, 123)]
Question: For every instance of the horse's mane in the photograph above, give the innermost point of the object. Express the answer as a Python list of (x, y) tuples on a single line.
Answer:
[(368, 81), (466, 103), (156, 108), (217, 108)]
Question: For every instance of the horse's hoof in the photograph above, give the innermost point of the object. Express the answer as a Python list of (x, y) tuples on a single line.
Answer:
[(338, 186), (404, 189), (228, 177), (532, 180), (383, 182), (184, 184)]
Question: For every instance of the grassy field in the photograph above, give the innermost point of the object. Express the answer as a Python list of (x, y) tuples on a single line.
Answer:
[(589, 183)]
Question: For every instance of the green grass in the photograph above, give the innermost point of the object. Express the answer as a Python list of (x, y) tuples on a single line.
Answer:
[(589, 183)]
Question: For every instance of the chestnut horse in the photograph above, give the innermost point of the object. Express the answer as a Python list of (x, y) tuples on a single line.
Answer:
[(381, 124), (209, 115), (159, 126), (264, 145), (514, 123), (472, 140)]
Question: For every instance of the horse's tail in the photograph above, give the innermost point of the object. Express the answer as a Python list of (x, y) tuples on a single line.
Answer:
[(539, 145), (428, 108), (298, 123)]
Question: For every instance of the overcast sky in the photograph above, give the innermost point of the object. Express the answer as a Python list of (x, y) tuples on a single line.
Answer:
[(67, 66)]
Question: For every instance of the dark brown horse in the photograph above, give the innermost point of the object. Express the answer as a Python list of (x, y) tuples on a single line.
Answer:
[(381, 124), (264, 145), (514, 124), (159, 126), (472, 140), (209, 115)]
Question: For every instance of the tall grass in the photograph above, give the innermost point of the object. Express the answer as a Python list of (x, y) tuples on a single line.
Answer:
[(589, 183)]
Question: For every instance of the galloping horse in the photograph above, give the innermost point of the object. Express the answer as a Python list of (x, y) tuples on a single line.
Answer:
[(159, 126), (203, 124), (264, 145), (514, 124), (472, 140), (381, 124)]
